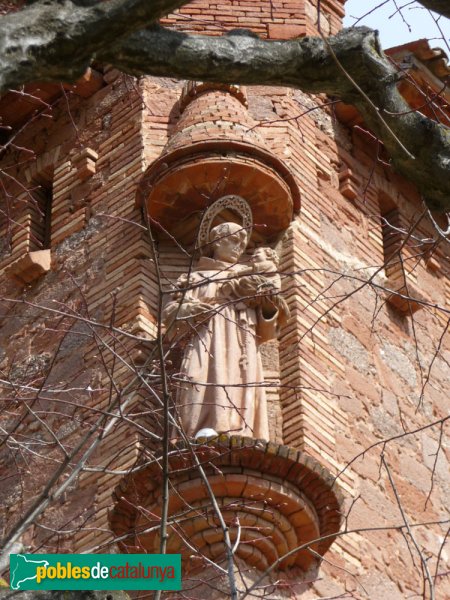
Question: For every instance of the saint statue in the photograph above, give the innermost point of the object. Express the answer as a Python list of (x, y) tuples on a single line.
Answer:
[(224, 310)]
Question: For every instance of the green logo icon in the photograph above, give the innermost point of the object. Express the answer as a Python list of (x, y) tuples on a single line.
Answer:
[(95, 572)]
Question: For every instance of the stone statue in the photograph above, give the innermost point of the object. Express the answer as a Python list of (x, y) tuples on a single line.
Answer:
[(224, 310)]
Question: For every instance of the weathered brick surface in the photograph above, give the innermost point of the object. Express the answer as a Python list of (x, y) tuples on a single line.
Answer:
[(279, 19), (352, 370)]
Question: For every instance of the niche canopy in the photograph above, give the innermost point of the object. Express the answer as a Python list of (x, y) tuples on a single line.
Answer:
[(213, 152)]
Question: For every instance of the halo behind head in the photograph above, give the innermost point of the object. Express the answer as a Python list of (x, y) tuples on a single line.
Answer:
[(211, 219)]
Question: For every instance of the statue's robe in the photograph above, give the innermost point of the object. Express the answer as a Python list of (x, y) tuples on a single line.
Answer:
[(223, 382)]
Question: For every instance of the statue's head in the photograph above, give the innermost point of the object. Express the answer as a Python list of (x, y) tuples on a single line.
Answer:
[(228, 242)]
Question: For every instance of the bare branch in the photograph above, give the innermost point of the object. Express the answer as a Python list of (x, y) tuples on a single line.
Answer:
[(52, 40), (57, 41), (423, 156)]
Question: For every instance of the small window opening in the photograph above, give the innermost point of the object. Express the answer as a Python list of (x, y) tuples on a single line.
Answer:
[(393, 231), (41, 213), (5, 235), (392, 236), (392, 240)]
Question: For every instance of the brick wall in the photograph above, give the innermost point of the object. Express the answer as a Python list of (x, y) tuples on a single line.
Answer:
[(93, 156), (279, 19), (353, 368)]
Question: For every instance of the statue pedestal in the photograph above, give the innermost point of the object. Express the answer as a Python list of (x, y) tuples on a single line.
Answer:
[(277, 503)]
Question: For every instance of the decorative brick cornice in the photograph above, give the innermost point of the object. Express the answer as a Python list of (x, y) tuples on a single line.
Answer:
[(283, 498)]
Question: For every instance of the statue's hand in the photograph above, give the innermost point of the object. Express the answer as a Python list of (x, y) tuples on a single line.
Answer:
[(266, 288), (183, 281), (267, 296), (247, 287), (195, 310), (253, 288)]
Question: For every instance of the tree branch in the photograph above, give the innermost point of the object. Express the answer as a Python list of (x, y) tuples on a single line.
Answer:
[(56, 40), (307, 64), (442, 7)]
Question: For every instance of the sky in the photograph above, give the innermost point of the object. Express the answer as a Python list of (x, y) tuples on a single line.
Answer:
[(393, 28)]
